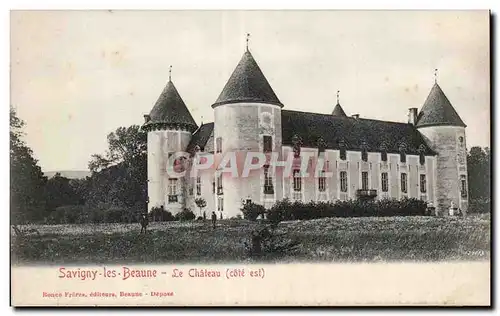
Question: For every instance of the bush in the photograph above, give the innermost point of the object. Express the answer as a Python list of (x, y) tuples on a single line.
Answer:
[(114, 215), (70, 214), (161, 215), (286, 210), (252, 210), (185, 215)]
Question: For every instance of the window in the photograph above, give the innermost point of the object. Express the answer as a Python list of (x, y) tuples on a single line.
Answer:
[(297, 181), (385, 182), (213, 186), (198, 186), (343, 153), (364, 151), (220, 204), (402, 153), (322, 182), (218, 145), (343, 181), (364, 155), (191, 190), (404, 183), (421, 154), (383, 151), (268, 144), (268, 181), (364, 180), (383, 155), (423, 184), (296, 142), (463, 186), (321, 145), (172, 190), (219, 184), (402, 157)]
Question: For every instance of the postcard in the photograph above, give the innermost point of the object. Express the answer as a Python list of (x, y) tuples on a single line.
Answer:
[(250, 158)]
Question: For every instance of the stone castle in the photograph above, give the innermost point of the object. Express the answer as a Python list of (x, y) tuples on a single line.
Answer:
[(424, 158)]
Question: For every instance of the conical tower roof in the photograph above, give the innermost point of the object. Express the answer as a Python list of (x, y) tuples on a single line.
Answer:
[(338, 111), (437, 110), (170, 109), (247, 84)]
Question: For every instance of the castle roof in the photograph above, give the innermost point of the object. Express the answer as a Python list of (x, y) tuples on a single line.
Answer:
[(355, 133), (338, 111), (437, 110), (170, 109), (247, 84), (201, 138)]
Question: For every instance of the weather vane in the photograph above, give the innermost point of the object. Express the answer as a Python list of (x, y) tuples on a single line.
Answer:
[(338, 96), (170, 73), (435, 75), (248, 38)]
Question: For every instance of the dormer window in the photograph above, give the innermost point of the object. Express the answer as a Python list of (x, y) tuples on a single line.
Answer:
[(297, 143), (343, 150), (383, 153), (321, 145), (421, 154), (364, 151), (402, 153)]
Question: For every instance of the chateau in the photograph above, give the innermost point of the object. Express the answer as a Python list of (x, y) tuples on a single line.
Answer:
[(424, 158)]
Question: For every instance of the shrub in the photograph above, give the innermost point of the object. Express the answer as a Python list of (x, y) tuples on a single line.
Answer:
[(252, 210), (70, 214), (161, 215), (185, 215), (286, 210)]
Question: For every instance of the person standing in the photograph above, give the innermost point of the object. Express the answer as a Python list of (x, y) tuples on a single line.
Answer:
[(214, 219)]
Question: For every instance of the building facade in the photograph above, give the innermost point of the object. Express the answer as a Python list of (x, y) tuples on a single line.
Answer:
[(346, 157)]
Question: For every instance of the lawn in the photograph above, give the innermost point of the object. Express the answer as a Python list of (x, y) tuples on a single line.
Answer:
[(322, 240)]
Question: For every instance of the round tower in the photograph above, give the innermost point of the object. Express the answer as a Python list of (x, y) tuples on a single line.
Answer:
[(444, 131), (247, 119), (169, 126)]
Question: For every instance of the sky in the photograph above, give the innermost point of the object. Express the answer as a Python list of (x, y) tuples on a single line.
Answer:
[(76, 76)]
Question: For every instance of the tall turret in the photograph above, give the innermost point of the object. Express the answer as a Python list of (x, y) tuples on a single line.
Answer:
[(247, 119), (444, 131), (170, 127)]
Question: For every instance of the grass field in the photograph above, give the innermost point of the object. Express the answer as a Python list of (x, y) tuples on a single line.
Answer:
[(324, 240)]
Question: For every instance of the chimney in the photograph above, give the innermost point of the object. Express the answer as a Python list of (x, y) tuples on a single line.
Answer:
[(356, 116), (412, 116), (147, 118)]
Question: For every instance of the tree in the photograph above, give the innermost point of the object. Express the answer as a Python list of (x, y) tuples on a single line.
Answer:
[(119, 177), (479, 173), (125, 145), (201, 203), (62, 191), (27, 200)]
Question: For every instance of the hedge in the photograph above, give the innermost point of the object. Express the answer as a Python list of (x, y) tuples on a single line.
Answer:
[(287, 210)]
